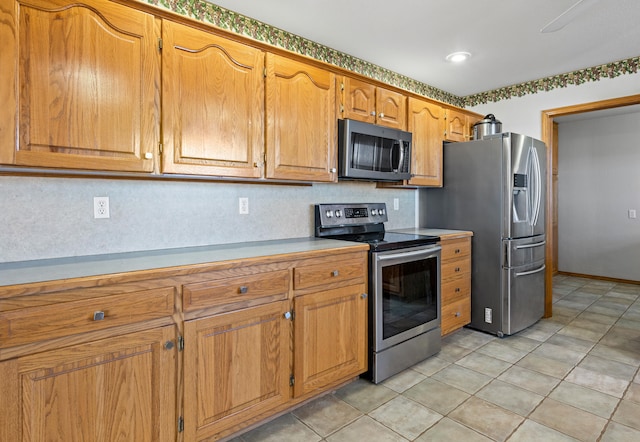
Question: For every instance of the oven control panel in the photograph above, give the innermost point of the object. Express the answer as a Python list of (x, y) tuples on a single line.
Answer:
[(331, 215)]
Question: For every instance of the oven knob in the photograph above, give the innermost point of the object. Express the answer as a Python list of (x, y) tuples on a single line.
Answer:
[(374, 212), (381, 212), (338, 213), (329, 214)]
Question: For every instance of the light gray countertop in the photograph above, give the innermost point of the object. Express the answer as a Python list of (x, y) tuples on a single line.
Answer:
[(25, 272), (442, 233)]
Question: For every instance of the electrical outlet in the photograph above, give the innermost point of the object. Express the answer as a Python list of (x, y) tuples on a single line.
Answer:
[(243, 206), (101, 207), (396, 204), (632, 213), (488, 315)]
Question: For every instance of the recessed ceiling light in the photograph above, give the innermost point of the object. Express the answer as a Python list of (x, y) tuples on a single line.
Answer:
[(457, 57)]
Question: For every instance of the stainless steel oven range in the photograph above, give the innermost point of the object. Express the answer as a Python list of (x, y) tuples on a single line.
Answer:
[(404, 285)]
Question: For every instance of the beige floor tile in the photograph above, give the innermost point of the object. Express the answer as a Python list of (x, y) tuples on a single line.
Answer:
[(606, 366), (573, 343), (589, 324), (364, 395), (448, 430), (365, 429), (406, 417), (436, 395), (597, 318), (452, 352), (503, 351), (404, 380), (582, 333), (510, 397), (558, 353), (326, 414), (468, 338), (531, 431), (633, 393), (628, 413), (620, 433), (484, 364), (546, 366), (529, 380), (462, 378), (486, 418), (616, 354), (598, 381), (430, 366), (569, 420), (286, 428), (586, 399)]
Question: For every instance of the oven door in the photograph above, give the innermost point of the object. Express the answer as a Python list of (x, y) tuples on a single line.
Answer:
[(405, 285)]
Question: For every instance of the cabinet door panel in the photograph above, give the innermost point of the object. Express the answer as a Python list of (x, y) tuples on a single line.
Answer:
[(121, 388), (89, 86), (457, 126), (237, 366), (426, 123), (359, 100), (392, 109), (213, 104), (301, 123), (330, 337)]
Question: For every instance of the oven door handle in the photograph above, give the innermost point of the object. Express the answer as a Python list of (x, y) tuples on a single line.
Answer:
[(428, 251)]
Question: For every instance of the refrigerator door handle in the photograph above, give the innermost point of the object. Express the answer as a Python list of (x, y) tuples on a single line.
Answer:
[(537, 197), (528, 246), (531, 272)]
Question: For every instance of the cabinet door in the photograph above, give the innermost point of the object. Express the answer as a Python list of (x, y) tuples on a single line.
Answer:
[(330, 338), (392, 109), (213, 104), (236, 367), (457, 126), (359, 100), (88, 78), (121, 388), (426, 123), (301, 122)]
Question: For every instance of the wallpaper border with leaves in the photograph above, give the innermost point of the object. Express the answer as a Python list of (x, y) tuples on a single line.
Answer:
[(257, 30)]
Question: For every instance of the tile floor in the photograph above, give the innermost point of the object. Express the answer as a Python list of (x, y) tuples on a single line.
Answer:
[(570, 377)]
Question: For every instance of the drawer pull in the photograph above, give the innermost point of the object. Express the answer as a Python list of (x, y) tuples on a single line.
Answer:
[(363, 296), (457, 290), (457, 251), (457, 269), (243, 289), (287, 315), (98, 316), (168, 345), (457, 314), (335, 273)]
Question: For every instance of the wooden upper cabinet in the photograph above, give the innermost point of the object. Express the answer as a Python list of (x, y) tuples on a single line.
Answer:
[(457, 126), (301, 121), (426, 123), (213, 104), (363, 101), (88, 75)]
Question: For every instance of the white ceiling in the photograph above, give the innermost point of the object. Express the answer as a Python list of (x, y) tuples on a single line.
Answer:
[(413, 37)]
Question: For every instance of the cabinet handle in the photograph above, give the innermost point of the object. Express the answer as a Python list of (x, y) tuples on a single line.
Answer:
[(373, 113), (335, 273), (287, 315), (98, 316), (243, 289), (381, 115), (457, 290), (457, 314), (457, 251), (363, 296), (148, 156), (168, 345), (333, 170), (457, 269)]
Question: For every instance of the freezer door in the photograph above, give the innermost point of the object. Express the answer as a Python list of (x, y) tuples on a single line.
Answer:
[(524, 185), (523, 296), (522, 251)]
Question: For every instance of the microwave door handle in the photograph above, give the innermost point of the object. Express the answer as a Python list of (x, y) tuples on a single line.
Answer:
[(400, 156)]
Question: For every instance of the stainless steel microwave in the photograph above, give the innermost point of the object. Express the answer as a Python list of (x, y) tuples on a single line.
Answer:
[(371, 152)]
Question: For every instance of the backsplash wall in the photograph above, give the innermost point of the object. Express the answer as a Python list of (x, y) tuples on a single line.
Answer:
[(53, 217)]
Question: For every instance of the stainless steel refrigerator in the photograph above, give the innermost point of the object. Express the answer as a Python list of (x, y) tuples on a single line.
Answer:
[(496, 188)]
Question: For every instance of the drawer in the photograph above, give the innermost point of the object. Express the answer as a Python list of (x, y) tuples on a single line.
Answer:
[(455, 268), (455, 315), (329, 272), (455, 248), (267, 286), (455, 290), (35, 324)]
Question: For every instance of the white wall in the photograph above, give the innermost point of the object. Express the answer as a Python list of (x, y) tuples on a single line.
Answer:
[(53, 217), (598, 182)]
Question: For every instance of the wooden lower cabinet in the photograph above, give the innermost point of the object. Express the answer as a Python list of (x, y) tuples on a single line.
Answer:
[(121, 388), (236, 368), (330, 337), (456, 283)]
